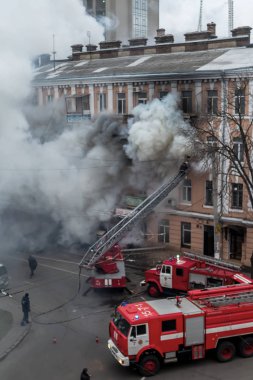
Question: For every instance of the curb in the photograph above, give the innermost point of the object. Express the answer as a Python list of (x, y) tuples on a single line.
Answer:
[(15, 344)]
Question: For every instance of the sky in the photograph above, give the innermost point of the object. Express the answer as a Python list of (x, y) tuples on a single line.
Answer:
[(182, 16)]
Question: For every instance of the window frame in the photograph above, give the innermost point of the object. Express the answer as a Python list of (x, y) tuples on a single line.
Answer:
[(239, 101), (102, 102), (187, 191), (238, 149), (212, 102), (186, 230), (164, 231), (208, 193), (121, 103), (186, 101), (236, 196)]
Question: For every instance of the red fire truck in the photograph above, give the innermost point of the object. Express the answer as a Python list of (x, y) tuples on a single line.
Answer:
[(148, 334), (177, 275)]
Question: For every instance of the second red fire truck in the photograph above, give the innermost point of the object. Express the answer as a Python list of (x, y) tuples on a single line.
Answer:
[(178, 275), (147, 334)]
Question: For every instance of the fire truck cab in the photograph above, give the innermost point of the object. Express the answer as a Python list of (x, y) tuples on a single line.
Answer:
[(148, 334), (178, 275)]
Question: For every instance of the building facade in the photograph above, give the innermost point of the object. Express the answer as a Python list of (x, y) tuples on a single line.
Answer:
[(129, 18), (203, 71)]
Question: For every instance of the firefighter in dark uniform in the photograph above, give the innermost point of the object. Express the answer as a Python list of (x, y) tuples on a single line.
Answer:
[(25, 302), (32, 264)]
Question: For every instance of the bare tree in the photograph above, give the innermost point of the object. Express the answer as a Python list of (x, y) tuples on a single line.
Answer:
[(226, 133)]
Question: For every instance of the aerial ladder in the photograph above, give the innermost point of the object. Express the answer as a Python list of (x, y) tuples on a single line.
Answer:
[(105, 255)]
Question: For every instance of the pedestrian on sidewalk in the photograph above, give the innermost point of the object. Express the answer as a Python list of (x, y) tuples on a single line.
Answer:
[(32, 264), (25, 302), (85, 375)]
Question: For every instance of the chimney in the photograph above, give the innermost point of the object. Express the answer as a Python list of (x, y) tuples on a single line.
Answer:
[(211, 28), (241, 31), (91, 47), (160, 32), (110, 44), (168, 38), (140, 41), (78, 48)]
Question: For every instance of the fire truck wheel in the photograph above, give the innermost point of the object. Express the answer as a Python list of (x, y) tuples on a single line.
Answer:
[(153, 291), (245, 347), (149, 365), (225, 351)]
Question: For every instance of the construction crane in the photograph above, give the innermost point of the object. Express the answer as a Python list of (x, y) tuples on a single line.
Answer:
[(103, 253)]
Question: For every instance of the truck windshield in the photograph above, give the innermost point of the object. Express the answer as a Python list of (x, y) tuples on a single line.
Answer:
[(121, 323)]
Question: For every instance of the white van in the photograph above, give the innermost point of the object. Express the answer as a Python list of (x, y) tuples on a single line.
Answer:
[(3, 277)]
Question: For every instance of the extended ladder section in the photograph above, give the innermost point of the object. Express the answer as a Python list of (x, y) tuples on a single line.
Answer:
[(224, 300), (218, 263), (113, 236)]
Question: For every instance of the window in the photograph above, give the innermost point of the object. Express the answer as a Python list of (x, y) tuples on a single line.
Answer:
[(142, 98), (187, 101), (163, 94), (122, 103), (138, 330), (141, 329), (86, 102), (179, 272), (169, 325), (237, 195), (166, 269), (164, 231), (187, 191), (50, 98), (212, 141), (185, 234), (78, 104), (71, 105), (212, 102), (239, 101), (209, 193), (140, 18), (102, 102), (238, 149)]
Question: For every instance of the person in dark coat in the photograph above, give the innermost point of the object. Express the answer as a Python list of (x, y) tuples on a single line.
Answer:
[(84, 374), (32, 264), (25, 302)]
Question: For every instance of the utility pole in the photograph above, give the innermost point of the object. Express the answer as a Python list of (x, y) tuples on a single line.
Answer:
[(216, 216)]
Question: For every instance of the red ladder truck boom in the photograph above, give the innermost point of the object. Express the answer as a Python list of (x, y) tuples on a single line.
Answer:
[(105, 250)]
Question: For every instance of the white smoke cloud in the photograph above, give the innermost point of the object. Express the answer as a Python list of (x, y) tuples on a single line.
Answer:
[(58, 183), (156, 135)]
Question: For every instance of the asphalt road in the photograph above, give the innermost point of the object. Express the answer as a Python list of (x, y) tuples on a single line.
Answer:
[(66, 325)]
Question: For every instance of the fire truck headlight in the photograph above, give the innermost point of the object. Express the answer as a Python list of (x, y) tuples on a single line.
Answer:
[(136, 316)]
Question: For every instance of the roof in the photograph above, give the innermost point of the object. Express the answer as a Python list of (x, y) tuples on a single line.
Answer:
[(131, 68), (144, 311)]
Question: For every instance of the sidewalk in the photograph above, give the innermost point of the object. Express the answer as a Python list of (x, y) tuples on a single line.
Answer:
[(11, 331)]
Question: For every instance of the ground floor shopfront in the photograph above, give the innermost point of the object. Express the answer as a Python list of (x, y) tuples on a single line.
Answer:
[(198, 235)]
